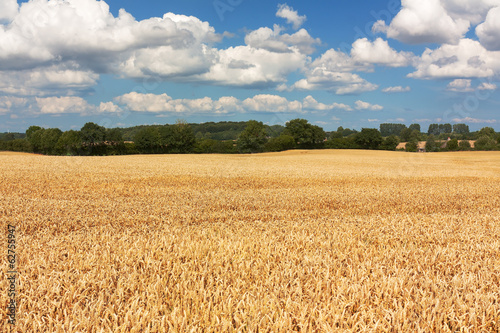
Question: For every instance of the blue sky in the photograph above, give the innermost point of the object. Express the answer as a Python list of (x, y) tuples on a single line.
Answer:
[(336, 63)]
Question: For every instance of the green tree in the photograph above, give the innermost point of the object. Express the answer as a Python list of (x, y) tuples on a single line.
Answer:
[(70, 143), (452, 145), (388, 129), (431, 144), (114, 135), (92, 133), (433, 129), (8, 137), (446, 128), (408, 134), (415, 127), (485, 142), (253, 138), (283, 142), (49, 140), (464, 145), (412, 146), (460, 129), (369, 138), (178, 138), (390, 143), (147, 140), (31, 130), (306, 135), (35, 138), (486, 131)]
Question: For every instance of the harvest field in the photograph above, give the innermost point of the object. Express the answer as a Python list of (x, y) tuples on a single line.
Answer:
[(309, 241)]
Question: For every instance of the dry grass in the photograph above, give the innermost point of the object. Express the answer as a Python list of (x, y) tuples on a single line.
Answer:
[(323, 241)]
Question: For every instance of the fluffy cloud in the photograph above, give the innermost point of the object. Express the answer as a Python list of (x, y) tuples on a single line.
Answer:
[(474, 120), (245, 66), (228, 104), (397, 89), (487, 86), (8, 10), (360, 105), (72, 104), (77, 40), (291, 16), (271, 103), (67, 79), (489, 31), (379, 52), (70, 43), (467, 59), (460, 85), (424, 21), (62, 105), (11, 103), (332, 71), (472, 10), (310, 103), (274, 41)]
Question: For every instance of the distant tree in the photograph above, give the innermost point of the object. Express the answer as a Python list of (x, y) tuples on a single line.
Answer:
[(431, 144), (369, 138), (437, 129), (388, 129), (464, 145), (433, 129), (305, 134), (486, 131), (69, 143), (49, 140), (408, 134), (452, 145), (8, 137), (283, 142), (253, 138), (31, 130), (460, 129), (390, 143), (415, 127), (92, 133), (348, 132), (114, 135), (412, 146), (335, 135), (35, 138), (178, 138), (485, 142), (445, 128), (147, 140)]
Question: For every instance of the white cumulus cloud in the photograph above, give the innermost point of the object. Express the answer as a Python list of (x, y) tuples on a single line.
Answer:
[(467, 59), (8, 10), (379, 52), (474, 120), (360, 105), (487, 86), (489, 31), (460, 85), (291, 16), (397, 89), (424, 21)]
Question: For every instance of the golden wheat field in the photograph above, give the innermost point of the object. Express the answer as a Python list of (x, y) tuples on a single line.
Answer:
[(301, 241)]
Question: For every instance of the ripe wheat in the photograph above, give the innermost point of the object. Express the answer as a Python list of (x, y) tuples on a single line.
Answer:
[(319, 241)]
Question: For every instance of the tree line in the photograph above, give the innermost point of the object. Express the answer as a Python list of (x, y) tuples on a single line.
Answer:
[(240, 137)]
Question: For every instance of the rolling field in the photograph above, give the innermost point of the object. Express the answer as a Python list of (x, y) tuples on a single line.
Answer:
[(302, 241)]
